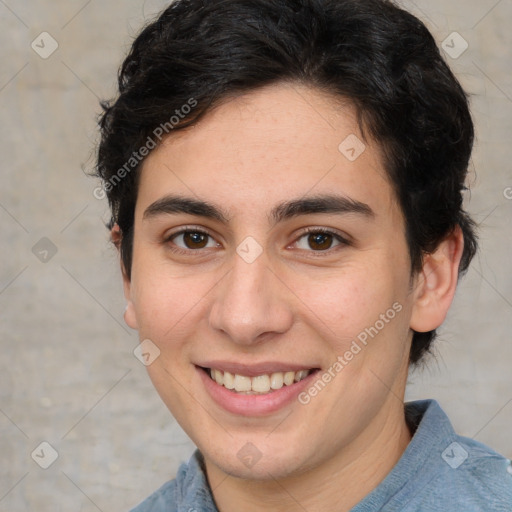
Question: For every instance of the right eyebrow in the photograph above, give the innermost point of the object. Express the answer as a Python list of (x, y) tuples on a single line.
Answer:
[(179, 204)]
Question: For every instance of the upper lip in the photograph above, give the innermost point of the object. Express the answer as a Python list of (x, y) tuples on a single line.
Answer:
[(254, 369)]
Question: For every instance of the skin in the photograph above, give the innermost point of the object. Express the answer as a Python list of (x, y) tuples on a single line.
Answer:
[(294, 303)]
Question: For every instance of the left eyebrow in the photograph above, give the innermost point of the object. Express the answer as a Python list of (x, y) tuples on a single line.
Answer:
[(327, 203)]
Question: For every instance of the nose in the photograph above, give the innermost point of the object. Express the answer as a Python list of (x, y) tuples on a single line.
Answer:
[(251, 302)]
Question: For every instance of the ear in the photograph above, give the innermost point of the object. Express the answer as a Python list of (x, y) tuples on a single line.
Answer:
[(129, 314), (436, 283)]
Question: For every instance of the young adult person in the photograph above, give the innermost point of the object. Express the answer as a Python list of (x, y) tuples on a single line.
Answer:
[(286, 181)]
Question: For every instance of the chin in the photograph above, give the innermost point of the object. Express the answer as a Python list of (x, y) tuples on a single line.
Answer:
[(251, 463)]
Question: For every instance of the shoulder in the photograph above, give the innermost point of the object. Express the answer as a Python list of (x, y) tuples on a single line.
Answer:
[(187, 492), (461, 474), (162, 500), (476, 475)]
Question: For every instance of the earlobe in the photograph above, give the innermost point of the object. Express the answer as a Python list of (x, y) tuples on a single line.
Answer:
[(436, 283), (116, 236), (130, 316)]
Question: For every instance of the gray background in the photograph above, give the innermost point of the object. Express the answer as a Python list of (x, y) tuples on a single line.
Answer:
[(68, 375)]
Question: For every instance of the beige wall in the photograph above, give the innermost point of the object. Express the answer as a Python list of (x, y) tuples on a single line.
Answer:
[(67, 372)]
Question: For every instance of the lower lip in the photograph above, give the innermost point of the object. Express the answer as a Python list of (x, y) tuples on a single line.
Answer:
[(253, 405)]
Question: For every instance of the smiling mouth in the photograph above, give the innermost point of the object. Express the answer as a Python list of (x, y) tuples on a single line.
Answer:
[(259, 384)]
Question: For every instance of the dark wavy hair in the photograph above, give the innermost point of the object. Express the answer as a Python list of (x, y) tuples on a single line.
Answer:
[(380, 57)]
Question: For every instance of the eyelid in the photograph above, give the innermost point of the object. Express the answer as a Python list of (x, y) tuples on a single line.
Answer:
[(328, 231), (184, 229)]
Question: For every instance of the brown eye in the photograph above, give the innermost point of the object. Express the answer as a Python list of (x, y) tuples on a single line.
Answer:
[(320, 241), (192, 240)]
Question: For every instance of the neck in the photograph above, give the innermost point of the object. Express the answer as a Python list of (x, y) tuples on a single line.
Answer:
[(338, 484)]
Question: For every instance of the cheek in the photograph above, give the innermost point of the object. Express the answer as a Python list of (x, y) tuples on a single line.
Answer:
[(166, 303), (347, 302)]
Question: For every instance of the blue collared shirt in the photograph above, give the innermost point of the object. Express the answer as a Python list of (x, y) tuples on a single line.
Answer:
[(439, 471)]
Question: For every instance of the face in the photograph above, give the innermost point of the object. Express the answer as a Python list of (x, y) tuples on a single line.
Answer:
[(269, 253)]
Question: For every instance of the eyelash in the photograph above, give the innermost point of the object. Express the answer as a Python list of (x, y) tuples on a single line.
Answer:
[(336, 236)]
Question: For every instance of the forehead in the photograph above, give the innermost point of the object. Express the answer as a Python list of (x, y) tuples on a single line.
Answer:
[(256, 150)]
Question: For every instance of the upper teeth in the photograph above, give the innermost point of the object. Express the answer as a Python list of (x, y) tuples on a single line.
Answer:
[(259, 384)]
